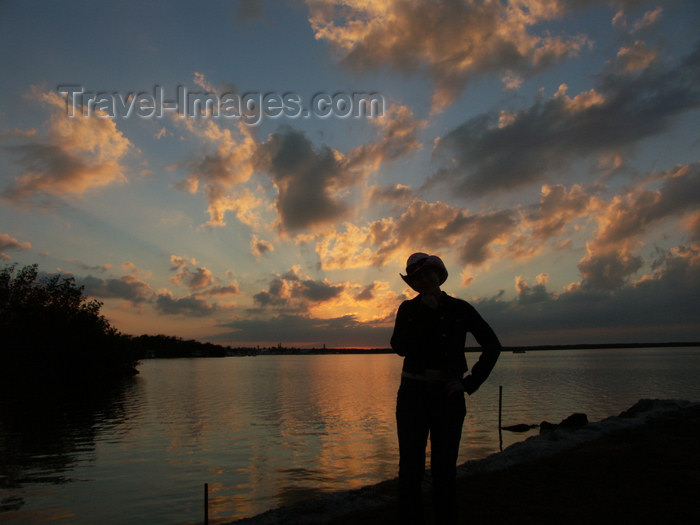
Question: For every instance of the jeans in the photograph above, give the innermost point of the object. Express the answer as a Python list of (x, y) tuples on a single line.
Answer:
[(423, 409)]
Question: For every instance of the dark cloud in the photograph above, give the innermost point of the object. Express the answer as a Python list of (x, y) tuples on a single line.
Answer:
[(608, 271), (317, 291), (229, 289), (482, 231), (306, 331), (260, 247), (557, 207), (194, 279), (635, 213), (189, 275), (367, 293), (659, 307), (532, 144), (290, 290), (50, 169), (532, 294), (127, 287), (307, 180), (395, 194), (94, 267), (188, 305)]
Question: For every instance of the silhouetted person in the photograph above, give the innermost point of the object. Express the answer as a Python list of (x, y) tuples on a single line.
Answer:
[(430, 332)]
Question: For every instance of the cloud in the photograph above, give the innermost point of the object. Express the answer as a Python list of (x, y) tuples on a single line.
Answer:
[(126, 287), (10, 243), (649, 19), (259, 247), (630, 215), (636, 57), (425, 226), (524, 231), (194, 279), (693, 226), (557, 207), (341, 250), (536, 315), (367, 293), (295, 294), (291, 290), (661, 306), (102, 268), (398, 136), (219, 290), (225, 163), (306, 179), (610, 261), (531, 294), (451, 42), (189, 305), (294, 329), (77, 155), (607, 271), (310, 181), (198, 279), (486, 156), (396, 194)]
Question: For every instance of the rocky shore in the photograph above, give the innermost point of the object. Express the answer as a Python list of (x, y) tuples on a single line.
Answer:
[(640, 466)]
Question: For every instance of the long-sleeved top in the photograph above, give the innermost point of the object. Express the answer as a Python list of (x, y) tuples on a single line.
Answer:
[(435, 339)]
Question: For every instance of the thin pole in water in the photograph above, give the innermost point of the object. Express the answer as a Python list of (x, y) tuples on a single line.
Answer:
[(206, 503), (500, 405)]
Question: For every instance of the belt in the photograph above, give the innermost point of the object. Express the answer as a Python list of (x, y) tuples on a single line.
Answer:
[(430, 375)]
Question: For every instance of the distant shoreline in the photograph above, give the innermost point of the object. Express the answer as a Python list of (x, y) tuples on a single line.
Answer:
[(170, 347), (598, 346), (533, 348)]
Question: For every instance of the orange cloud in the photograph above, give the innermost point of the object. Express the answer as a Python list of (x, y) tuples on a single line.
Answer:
[(10, 243), (452, 41), (610, 259), (216, 172), (344, 249), (423, 226), (259, 247), (636, 57), (365, 303), (77, 155)]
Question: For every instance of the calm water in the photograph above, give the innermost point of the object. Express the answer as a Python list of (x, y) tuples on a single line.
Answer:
[(265, 431)]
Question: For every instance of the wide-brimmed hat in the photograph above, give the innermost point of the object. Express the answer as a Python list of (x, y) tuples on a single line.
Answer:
[(418, 262)]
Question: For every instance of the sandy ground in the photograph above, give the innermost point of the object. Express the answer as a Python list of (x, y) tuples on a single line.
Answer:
[(640, 467)]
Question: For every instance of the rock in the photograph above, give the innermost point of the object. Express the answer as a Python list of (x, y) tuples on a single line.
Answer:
[(546, 426), (574, 421), (522, 427)]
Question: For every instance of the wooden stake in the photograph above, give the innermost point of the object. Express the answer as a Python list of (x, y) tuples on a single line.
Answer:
[(206, 503), (500, 406)]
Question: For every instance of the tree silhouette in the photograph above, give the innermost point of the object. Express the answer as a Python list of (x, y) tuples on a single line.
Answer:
[(49, 328)]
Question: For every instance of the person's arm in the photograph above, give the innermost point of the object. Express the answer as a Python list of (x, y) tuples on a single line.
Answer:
[(491, 349), (403, 340)]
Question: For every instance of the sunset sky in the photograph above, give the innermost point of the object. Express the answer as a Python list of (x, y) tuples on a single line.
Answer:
[(547, 150)]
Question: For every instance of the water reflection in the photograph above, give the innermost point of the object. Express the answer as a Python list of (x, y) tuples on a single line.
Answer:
[(331, 419), (44, 434), (267, 431)]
